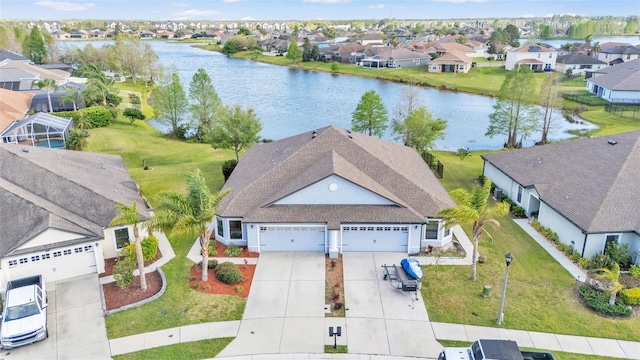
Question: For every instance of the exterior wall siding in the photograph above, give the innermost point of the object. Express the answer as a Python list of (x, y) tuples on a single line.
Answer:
[(342, 193), (567, 231)]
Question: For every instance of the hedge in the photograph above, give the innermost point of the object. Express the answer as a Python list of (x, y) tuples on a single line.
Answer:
[(96, 116)]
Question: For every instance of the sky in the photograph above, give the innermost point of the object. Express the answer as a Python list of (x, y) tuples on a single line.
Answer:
[(306, 9)]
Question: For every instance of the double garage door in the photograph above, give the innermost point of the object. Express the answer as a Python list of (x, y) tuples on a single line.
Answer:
[(292, 238), (55, 264), (375, 238)]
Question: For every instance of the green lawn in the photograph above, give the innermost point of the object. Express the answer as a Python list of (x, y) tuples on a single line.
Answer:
[(559, 355), (203, 349), (540, 293), (169, 160), (141, 88)]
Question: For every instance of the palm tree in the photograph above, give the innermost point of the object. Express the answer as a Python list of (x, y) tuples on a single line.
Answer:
[(77, 140), (472, 210), (611, 275), (128, 215), (82, 121), (49, 85), (98, 83), (189, 215), (72, 95)]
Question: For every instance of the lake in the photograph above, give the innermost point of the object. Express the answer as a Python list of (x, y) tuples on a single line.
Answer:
[(290, 101)]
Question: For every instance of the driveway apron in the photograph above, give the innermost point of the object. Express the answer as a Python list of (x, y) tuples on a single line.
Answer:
[(75, 321), (285, 308), (380, 318)]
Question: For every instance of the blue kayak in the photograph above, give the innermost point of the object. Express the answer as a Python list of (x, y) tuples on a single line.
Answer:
[(412, 267)]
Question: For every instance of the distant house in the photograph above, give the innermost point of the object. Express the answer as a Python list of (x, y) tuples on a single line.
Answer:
[(578, 63), (24, 74), (618, 83), (534, 56), (404, 58), (453, 62), (619, 54), (442, 48), (584, 190), (13, 56), (79, 34)]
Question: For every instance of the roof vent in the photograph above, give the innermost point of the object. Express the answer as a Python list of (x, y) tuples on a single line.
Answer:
[(350, 137), (25, 150), (612, 142), (348, 131)]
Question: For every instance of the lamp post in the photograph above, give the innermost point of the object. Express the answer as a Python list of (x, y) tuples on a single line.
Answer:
[(508, 259)]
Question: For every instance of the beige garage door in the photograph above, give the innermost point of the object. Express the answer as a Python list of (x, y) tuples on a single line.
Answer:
[(55, 264)]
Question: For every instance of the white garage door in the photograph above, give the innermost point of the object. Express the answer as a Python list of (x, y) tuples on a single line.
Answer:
[(292, 238), (55, 264), (375, 238)]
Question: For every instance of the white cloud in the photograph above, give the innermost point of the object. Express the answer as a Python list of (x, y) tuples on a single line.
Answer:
[(179, 4), (65, 5), (376, 7), (328, 1), (193, 13), (248, 18)]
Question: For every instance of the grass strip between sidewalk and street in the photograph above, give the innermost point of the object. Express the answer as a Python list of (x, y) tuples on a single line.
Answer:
[(194, 350)]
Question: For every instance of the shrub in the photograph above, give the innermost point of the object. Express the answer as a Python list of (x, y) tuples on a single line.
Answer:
[(149, 249), (335, 66), (134, 99), (634, 270), (212, 264), (239, 289), (213, 248), (584, 263), (599, 302), (228, 273), (97, 116), (575, 256), (133, 115), (227, 168), (463, 153), (619, 254), (630, 296), (601, 261), (518, 211), (233, 250), (206, 287), (123, 272), (195, 286)]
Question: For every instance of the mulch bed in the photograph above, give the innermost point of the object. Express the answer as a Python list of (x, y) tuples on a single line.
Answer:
[(110, 263), (334, 287), (220, 247), (115, 298), (215, 286)]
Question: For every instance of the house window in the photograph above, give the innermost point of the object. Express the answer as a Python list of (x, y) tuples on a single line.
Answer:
[(432, 230), (628, 56), (447, 232), (46, 256), (78, 250), (610, 238), (35, 258), (88, 248), (24, 260), (235, 229), (67, 252), (13, 263), (122, 237), (57, 253), (550, 56), (220, 227), (519, 197), (539, 55), (460, 67)]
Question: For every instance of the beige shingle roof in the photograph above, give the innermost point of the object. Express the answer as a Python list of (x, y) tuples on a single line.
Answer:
[(13, 106), (590, 182), (272, 171)]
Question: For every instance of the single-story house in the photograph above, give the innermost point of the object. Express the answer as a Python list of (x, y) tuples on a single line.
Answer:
[(578, 63), (535, 56), (56, 209), (585, 190), (619, 83), (453, 62), (332, 190), (405, 58)]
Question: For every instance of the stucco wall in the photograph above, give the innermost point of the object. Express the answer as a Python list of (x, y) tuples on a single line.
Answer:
[(334, 190), (566, 230)]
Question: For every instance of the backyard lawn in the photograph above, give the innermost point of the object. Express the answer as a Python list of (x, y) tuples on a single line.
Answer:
[(169, 160), (540, 294)]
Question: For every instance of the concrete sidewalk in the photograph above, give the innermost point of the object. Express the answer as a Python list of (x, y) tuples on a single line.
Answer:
[(560, 257), (194, 255)]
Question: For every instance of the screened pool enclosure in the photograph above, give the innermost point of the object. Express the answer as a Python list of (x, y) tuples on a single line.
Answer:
[(40, 129)]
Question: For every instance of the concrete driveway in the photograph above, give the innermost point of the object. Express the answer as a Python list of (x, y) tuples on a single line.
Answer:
[(76, 324), (285, 308), (380, 319)]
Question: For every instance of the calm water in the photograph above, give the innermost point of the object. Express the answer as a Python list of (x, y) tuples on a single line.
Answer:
[(291, 101)]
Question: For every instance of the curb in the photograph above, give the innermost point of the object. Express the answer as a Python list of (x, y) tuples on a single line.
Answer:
[(139, 303)]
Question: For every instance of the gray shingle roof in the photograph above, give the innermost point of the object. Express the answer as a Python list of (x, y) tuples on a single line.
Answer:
[(53, 188), (579, 59), (624, 76), (274, 170), (592, 183)]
